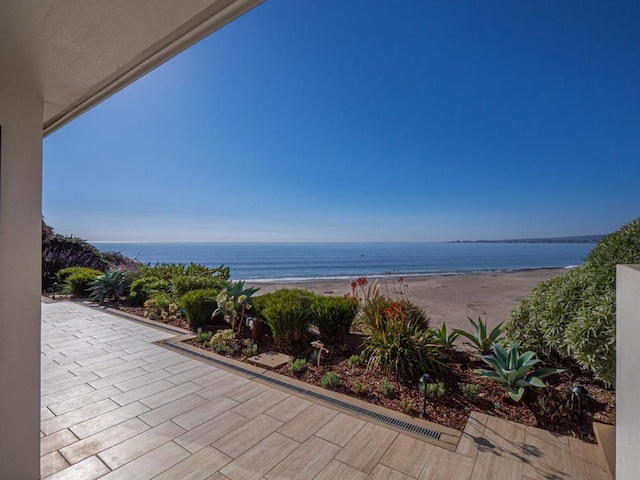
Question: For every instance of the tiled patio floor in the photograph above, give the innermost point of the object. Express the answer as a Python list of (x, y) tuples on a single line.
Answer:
[(116, 406)]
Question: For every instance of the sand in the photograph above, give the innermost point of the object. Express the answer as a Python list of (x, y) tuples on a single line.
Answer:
[(446, 298)]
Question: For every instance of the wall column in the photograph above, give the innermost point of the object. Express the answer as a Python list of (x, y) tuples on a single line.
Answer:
[(20, 266), (627, 371)]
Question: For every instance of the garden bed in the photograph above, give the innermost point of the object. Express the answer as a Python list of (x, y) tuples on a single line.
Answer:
[(550, 408)]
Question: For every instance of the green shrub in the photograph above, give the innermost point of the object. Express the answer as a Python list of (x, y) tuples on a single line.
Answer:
[(443, 338), (333, 316), (478, 335), (354, 361), (330, 380), (289, 322), (512, 369), (434, 390), (77, 280), (186, 283), (143, 288), (158, 306), (469, 390), (108, 286), (169, 271), (359, 387), (401, 347), (198, 306), (298, 365), (387, 389), (377, 310), (299, 297), (573, 315)]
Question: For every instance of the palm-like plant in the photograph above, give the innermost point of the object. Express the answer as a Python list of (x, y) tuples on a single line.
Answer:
[(512, 370), (234, 301), (479, 338), (108, 286)]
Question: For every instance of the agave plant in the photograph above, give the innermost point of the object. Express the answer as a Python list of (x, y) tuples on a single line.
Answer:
[(443, 338), (108, 286), (479, 338), (234, 301), (512, 370)]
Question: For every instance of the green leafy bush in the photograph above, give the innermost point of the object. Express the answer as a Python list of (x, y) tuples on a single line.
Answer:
[(108, 286), (294, 296), (198, 306), (359, 388), (289, 322), (330, 380), (478, 336), (402, 347), (143, 288), (299, 365), (186, 283), (169, 271), (77, 280), (333, 316), (469, 390), (573, 315), (443, 338), (387, 389), (512, 370), (158, 306), (377, 310)]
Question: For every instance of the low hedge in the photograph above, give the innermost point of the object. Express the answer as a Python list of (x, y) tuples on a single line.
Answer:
[(77, 280), (333, 316), (142, 289), (198, 306)]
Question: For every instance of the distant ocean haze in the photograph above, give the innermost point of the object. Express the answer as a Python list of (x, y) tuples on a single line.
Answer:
[(314, 261)]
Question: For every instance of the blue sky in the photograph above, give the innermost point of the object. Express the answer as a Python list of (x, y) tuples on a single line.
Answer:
[(367, 121)]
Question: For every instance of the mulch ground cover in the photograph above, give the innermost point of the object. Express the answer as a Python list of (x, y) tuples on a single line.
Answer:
[(553, 408)]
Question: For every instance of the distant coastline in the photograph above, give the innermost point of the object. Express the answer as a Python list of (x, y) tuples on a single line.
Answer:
[(575, 239)]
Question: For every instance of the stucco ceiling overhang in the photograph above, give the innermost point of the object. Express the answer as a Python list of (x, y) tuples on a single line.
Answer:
[(75, 53)]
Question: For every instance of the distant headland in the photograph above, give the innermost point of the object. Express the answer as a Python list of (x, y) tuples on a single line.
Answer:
[(574, 239)]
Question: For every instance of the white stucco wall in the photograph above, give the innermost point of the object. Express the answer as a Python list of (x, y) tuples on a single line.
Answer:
[(628, 372), (20, 264)]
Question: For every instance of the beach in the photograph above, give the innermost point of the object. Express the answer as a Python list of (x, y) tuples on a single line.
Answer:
[(444, 298)]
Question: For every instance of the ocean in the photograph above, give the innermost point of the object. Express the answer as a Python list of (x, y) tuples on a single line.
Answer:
[(314, 261)]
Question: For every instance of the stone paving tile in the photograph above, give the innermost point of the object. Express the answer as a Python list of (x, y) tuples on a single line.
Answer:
[(141, 392), (246, 392), (137, 446), (66, 384), (172, 410), (382, 472), (204, 413), (89, 469), (198, 466), (258, 404), (83, 400), (508, 436), (150, 464), (341, 429), (307, 422), (52, 463), (220, 388), (142, 380), (471, 440), (76, 416), (546, 455), (174, 359), (215, 376), (103, 440), (588, 461), (192, 374), (66, 394), (261, 458), (109, 419), (367, 447), (46, 414), (111, 380), (171, 394), (288, 408), (207, 433), (337, 470), (105, 372), (306, 461), (243, 438), (183, 367), (489, 465), (446, 465), (56, 441), (407, 455)]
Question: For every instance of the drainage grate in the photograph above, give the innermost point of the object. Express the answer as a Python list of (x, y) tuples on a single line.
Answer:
[(425, 432)]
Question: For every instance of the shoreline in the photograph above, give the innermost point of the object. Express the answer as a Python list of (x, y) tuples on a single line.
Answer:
[(449, 298)]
